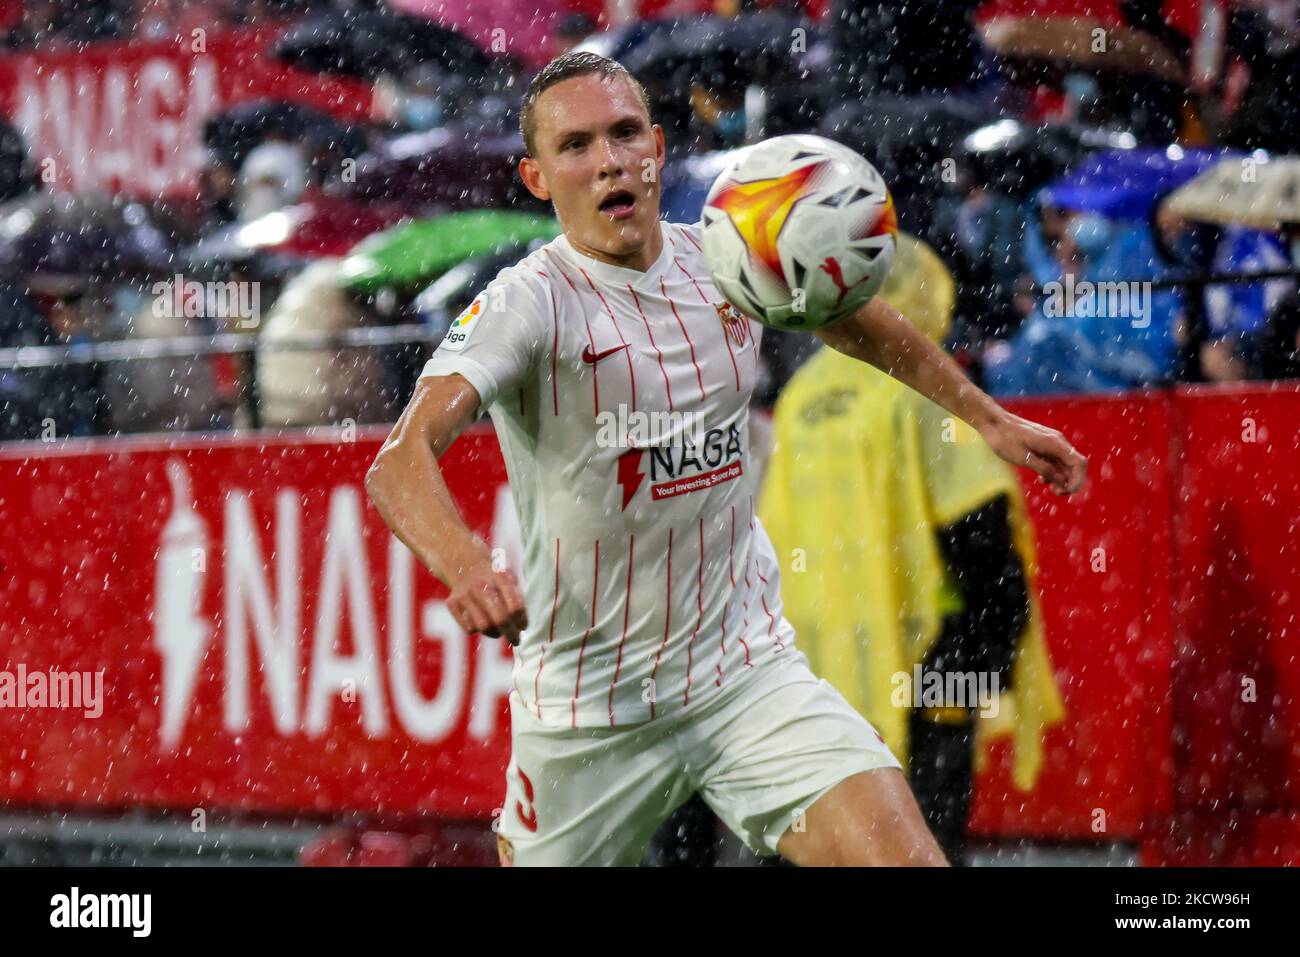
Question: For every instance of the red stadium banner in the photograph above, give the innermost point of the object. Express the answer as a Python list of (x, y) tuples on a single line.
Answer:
[(128, 117), (263, 643), (1236, 672), (1104, 570)]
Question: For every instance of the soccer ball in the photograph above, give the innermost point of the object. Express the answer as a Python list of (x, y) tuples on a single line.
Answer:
[(799, 232)]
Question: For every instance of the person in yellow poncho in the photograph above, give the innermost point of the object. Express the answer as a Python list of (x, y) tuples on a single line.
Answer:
[(908, 562)]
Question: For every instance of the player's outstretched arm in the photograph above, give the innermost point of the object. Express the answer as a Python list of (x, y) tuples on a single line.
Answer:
[(877, 333), (405, 482)]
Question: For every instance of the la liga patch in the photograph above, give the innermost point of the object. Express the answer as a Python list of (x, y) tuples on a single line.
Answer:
[(462, 326)]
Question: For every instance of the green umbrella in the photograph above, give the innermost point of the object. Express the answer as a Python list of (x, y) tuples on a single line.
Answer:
[(415, 253)]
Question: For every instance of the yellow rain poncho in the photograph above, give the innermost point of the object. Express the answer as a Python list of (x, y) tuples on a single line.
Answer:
[(864, 472)]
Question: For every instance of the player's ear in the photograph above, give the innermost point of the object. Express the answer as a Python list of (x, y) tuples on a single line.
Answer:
[(531, 173)]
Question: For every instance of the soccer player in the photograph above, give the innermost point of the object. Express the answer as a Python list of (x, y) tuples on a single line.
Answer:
[(652, 659)]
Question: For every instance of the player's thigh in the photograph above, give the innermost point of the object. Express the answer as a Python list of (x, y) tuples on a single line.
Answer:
[(585, 796), (776, 745), (869, 819)]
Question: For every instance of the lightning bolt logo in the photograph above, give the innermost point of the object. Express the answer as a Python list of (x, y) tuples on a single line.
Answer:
[(630, 475)]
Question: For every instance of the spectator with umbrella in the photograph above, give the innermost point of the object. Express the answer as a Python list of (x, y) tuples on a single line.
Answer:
[(1256, 200)]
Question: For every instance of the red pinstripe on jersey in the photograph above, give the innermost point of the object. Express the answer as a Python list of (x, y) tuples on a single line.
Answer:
[(771, 627), (595, 375), (541, 661), (722, 644), (725, 338), (731, 554), (662, 371), (577, 682), (631, 372), (749, 557), (627, 610), (699, 376), (555, 345), (699, 618), (686, 272), (668, 612), (771, 619), (744, 612), (731, 575)]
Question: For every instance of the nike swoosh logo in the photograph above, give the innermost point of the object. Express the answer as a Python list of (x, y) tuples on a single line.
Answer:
[(591, 358)]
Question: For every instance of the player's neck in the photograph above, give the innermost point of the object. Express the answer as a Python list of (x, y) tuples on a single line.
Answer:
[(639, 259)]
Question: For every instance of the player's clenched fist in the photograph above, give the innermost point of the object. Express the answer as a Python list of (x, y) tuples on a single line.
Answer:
[(490, 602)]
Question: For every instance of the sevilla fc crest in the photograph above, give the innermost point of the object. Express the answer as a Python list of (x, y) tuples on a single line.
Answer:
[(734, 322)]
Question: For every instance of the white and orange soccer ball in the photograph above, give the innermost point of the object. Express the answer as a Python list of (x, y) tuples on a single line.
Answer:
[(799, 231)]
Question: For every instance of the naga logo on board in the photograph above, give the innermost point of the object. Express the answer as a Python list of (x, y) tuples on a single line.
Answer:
[(270, 639)]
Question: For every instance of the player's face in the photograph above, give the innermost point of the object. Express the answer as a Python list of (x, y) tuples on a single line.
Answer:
[(598, 160)]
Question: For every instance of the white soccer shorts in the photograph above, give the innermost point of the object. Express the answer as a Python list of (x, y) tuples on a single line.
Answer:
[(760, 750)]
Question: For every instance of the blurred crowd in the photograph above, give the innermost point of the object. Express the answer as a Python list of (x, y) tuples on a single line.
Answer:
[(50, 23), (1070, 186), (1031, 170)]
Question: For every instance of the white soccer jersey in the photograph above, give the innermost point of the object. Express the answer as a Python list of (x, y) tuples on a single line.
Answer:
[(621, 402)]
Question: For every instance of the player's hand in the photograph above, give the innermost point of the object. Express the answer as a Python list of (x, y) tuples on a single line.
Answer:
[(489, 602), (1044, 450)]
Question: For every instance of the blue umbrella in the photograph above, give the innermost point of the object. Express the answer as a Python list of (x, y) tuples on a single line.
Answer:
[(1126, 184)]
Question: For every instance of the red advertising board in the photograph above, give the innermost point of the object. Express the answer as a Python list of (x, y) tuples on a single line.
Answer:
[(1236, 671), (1104, 584), (266, 645), (128, 116)]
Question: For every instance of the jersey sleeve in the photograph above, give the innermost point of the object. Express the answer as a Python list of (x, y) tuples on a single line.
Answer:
[(495, 341)]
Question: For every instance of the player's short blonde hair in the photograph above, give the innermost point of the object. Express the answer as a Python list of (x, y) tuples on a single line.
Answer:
[(565, 67)]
